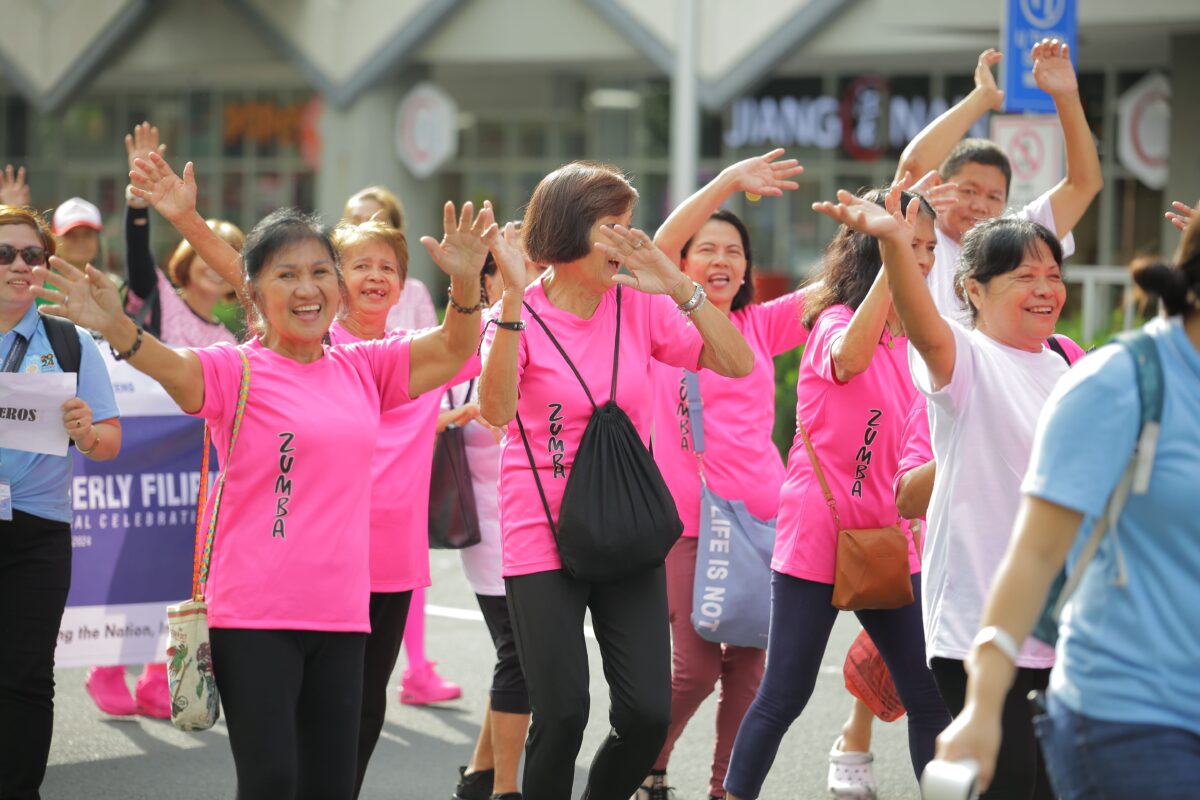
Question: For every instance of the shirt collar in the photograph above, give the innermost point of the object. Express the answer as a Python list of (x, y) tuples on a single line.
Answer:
[(27, 325)]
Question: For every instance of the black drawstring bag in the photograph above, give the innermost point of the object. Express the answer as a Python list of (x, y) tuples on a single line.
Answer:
[(453, 520), (617, 517)]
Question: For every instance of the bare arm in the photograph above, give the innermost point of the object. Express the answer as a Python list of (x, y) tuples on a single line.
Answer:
[(498, 381), (1071, 197), (761, 175), (914, 490), (437, 356), (91, 300), (95, 440), (1044, 533), (852, 353), (931, 146), (175, 198), (925, 328)]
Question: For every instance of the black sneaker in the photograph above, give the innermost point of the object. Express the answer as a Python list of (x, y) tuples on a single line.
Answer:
[(507, 796), (476, 786), (657, 790)]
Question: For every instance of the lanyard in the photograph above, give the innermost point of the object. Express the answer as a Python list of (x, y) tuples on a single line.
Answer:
[(16, 352)]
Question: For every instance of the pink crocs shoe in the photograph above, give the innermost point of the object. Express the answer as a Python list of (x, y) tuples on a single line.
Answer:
[(153, 692), (108, 690), (422, 685)]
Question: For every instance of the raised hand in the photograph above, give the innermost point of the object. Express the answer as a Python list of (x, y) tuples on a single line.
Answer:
[(650, 269), (155, 182), (13, 189), (765, 176), (510, 256), (1182, 215), (87, 298), (985, 80), (867, 217), (942, 196), (1052, 68), (463, 249)]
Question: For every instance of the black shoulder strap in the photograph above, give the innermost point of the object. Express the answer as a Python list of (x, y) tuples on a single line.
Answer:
[(612, 394), (466, 397), (151, 310), (536, 478), (64, 341), (1057, 347)]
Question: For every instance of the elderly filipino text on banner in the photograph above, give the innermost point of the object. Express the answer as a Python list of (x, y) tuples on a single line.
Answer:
[(1034, 145), (1027, 22), (133, 530), (31, 416)]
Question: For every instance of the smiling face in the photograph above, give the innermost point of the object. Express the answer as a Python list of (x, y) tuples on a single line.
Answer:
[(17, 277), (204, 280), (1020, 308), (982, 194), (298, 293), (372, 274), (717, 261)]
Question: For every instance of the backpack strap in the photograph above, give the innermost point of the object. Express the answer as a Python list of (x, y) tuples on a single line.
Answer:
[(1136, 478), (536, 479), (612, 394), (1054, 344), (64, 341)]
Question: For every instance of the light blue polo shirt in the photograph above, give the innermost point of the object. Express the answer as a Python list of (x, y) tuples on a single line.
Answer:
[(1128, 653), (41, 483)]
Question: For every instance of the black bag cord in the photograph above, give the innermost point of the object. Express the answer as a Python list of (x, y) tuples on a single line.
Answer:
[(466, 397), (612, 398)]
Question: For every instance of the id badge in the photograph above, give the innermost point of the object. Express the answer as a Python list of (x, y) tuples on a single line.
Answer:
[(6, 512)]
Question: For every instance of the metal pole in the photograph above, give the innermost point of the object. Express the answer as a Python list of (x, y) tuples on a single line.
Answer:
[(685, 114)]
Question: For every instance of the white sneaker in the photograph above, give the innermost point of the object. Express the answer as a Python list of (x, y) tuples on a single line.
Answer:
[(851, 774)]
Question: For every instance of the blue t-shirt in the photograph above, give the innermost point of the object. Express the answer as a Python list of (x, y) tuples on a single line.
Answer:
[(1128, 653), (41, 484)]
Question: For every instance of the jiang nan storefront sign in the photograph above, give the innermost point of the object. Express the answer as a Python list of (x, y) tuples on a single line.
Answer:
[(866, 122)]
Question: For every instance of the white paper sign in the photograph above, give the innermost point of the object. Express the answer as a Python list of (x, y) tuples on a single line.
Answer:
[(31, 416)]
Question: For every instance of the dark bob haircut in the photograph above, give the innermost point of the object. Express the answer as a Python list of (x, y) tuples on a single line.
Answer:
[(996, 246), (566, 204), (977, 151), (852, 260), (745, 293)]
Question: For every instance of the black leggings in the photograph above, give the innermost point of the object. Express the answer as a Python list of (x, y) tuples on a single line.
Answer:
[(35, 575), (1020, 771), (802, 616), (389, 612), (508, 693), (630, 621), (292, 702)]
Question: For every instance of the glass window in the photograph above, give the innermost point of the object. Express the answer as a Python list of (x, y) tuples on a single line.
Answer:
[(531, 140), (490, 139)]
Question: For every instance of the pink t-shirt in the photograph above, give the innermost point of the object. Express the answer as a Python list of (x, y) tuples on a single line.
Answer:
[(180, 326), (291, 548), (740, 461), (400, 474), (856, 430), (555, 410)]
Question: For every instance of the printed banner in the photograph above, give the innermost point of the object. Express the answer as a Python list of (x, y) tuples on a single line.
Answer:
[(31, 410), (133, 530)]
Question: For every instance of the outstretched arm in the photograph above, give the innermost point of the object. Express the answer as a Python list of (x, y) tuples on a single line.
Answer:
[(437, 356), (175, 198), (763, 175), (139, 261), (89, 299), (925, 328), (498, 381), (931, 146), (1055, 75)]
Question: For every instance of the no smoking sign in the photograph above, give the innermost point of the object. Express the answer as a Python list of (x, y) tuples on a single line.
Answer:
[(1035, 151)]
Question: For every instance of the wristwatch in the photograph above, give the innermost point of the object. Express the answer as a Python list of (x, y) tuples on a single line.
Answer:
[(1001, 639)]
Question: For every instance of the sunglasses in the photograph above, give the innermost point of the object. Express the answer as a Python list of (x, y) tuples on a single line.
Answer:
[(33, 256)]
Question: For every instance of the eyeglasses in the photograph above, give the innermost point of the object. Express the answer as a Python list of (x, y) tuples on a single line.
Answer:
[(33, 256)]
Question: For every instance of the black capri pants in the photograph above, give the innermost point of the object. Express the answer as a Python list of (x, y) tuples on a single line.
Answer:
[(508, 692)]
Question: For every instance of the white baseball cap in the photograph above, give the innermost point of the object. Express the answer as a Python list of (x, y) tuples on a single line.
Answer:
[(74, 213)]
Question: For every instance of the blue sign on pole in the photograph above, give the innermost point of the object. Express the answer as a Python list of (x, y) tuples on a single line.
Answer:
[(1027, 22)]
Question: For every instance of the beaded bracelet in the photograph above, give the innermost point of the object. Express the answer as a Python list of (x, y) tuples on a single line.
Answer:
[(128, 354), (462, 309)]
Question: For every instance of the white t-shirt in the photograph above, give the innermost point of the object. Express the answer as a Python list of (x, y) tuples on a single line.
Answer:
[(982, 425), (482, 563), (948, 252)]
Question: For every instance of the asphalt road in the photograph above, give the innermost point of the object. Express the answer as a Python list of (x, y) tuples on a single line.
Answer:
[(95, 757)]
